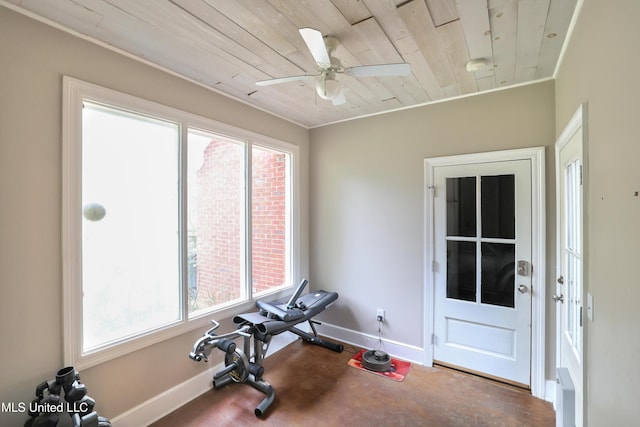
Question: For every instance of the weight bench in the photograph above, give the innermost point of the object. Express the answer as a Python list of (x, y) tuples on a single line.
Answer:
[(245, 366)]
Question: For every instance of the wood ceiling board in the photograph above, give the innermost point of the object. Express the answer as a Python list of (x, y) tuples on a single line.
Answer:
[(300, 113), (370, 90), (420, 69), (250, 18), (532, 16), (168, 46), (286, 29), (453, 41), (504, 20), (442, 11), (375, 86), (321, 15), (173, 46), (353, 11), (368, 40), (474, 17), (486, 83), (386, 14), (250, 40), (376, 48), (392, 104), (66, 12), (558, 20), (420, 25), (357, 103), (229, 36)]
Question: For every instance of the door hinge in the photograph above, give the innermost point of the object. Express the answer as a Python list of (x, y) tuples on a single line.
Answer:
[(581, 316), (434, 266), (580, 174), (433, 190), (433, 339)]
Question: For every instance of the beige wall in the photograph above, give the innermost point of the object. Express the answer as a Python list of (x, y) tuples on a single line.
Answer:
[(366, 205), (367, 202), (600, 68), (33, 59)]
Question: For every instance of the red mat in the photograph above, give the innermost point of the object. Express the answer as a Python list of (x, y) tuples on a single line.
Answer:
[(399, 368)]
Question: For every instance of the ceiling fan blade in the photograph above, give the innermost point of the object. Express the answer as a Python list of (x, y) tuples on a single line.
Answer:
[(379, 70), (340, 99), (315, 43), (286, 79)]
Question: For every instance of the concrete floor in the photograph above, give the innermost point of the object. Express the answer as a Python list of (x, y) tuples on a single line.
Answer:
[(315, 387)]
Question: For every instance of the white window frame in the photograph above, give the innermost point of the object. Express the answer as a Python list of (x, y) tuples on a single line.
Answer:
[(75, 92)]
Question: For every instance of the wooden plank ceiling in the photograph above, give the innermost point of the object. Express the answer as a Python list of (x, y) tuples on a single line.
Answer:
[(228, 45)]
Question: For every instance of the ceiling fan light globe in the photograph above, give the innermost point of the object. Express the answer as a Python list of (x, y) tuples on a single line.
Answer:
[(328, 89)]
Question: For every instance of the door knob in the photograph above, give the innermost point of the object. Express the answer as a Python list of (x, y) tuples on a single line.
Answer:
[(557, 298), (561, 280), (522, 289)]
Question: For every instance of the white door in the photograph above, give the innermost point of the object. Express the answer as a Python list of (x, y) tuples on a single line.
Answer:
[(482, 253), (569, 284)]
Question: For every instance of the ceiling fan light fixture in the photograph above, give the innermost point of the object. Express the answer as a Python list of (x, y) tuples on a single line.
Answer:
[(328, 89)]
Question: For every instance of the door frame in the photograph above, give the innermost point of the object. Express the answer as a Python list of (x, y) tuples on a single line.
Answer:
[(538, 251), (577, 122)]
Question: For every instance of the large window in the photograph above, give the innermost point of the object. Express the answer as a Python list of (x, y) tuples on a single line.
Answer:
[(168, 218)]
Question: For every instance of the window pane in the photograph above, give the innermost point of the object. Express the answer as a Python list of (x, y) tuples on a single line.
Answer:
[(461, 206), (498, 206), (461, 270), (216, 220), (130, 247), (270, 221), (498, 274)]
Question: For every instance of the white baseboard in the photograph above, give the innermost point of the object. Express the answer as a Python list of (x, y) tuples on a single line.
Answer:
[(158, 406), (167, 402), (394, 348), (399, 350)]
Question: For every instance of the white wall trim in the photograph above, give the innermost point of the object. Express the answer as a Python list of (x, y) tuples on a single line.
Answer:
[(397, 349), (578, 122), (75, 92), (168, 401), (158, 406), (538, 254)]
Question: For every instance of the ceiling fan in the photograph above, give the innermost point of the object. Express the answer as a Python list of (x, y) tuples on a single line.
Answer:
[(327, 87)]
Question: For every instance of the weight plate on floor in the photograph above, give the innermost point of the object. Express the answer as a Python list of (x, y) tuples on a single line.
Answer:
[(376, 360)]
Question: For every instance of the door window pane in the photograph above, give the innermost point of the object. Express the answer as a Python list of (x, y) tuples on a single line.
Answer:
[(461, 270), (130, 243), (461, 206), (498, 206), (215, 220), (498, 274), (270, 220)]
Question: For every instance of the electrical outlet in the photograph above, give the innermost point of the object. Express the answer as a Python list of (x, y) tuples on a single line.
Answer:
[(380, 315)]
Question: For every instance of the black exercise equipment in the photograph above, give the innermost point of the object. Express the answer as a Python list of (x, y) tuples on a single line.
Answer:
[(48, 406), (245, 366)]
